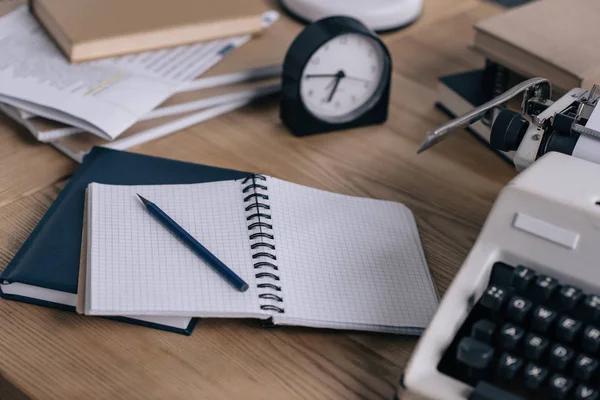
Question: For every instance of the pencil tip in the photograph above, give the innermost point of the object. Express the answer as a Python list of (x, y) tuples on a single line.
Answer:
[(424, 147), (146, 202)]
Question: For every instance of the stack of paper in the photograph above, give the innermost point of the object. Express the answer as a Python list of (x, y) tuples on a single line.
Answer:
[(125, 101)]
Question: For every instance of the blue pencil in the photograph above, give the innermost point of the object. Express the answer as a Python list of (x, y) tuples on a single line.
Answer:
[(193, 244)]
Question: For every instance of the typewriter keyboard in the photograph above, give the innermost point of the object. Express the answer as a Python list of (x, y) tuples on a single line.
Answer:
[(528, 337)]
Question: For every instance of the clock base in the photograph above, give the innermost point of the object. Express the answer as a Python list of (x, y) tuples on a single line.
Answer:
[(301, 123), (378, 15)]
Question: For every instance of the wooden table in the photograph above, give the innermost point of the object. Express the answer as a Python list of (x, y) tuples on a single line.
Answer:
[(46, 353)]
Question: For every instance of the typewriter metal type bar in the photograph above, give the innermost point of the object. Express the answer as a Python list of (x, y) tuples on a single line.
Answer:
[(569, 125)]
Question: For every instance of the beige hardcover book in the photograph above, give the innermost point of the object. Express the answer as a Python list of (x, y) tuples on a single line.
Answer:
[(265, 50), (554, 39), (90, 29), (7, 6)]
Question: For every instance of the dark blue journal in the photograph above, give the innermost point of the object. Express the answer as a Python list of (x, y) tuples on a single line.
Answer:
[(45, 269)]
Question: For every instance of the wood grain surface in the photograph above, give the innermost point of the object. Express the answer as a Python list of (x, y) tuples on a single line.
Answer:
[(52, 354)]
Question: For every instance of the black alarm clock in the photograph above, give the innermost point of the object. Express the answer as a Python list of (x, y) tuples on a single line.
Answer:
[(336, 75)]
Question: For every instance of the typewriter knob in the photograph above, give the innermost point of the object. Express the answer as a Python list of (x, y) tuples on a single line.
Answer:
[(508, 130)]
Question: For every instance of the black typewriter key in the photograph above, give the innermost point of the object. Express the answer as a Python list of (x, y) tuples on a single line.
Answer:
[(591, 308), (560, 357), (568, 297), (510, 336), (590, 341), (584, 367), (518, 309), (494, 298), (483, 330), (542, 319), (585, 392), (474, 353), (543, 287), (559, 386), (522, 278), (534, 376), (486, 391), (535, 346), (567, 328), (508, 366)]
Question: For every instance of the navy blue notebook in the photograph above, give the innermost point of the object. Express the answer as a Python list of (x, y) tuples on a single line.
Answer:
[(45, 269)]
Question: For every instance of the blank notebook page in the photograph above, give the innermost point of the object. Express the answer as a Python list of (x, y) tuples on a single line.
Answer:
[(348, 261), (138, 267)]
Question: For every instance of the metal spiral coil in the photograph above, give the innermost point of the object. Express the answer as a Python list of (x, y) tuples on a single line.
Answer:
[(260, 229)]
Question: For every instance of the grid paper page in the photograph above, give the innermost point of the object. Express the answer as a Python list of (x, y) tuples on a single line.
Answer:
[(349, 262), (138, 267)]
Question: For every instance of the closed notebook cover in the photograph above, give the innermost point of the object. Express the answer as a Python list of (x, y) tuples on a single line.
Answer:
[(468, 85), (49, 258), (87, 29)]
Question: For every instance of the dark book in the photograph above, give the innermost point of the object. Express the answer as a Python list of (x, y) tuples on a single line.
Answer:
[(45, 269), (511, 3), (460, 93)]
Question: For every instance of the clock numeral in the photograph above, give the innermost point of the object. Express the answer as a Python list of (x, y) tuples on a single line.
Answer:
[(337, 104), (310, 93), (371, 53), (315, 61), (353, 98), (373, 68), (326, 47), (367, 84), (344, 40)]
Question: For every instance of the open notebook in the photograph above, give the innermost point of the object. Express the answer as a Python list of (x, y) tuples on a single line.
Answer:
[(311, 257)]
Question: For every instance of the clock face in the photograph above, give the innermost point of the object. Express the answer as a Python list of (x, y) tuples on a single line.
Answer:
[(343, 78)]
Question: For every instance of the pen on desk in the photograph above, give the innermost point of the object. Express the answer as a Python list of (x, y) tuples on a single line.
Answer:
[(195, 246)]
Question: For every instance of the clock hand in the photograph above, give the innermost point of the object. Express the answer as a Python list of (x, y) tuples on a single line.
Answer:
[(321, 75), (354, 78), (330, 84), (335, 86)]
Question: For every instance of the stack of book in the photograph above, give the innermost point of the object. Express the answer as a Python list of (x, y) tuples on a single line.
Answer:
[(551, 39), (123, 101)]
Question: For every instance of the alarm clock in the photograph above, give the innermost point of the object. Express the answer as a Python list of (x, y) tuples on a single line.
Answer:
[(336, 75)]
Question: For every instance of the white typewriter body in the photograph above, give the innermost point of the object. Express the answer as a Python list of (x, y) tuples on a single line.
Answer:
[(546, 218)]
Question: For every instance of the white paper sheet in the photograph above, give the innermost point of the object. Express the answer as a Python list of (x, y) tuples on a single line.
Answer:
[(104, 97)]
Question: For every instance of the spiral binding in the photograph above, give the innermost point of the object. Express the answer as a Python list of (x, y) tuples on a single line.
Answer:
[(263, 242)]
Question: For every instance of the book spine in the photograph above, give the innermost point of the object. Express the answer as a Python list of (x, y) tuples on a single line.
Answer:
[(257, 209)]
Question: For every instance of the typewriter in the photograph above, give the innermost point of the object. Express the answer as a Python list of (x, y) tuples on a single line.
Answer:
[(522, 318)]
